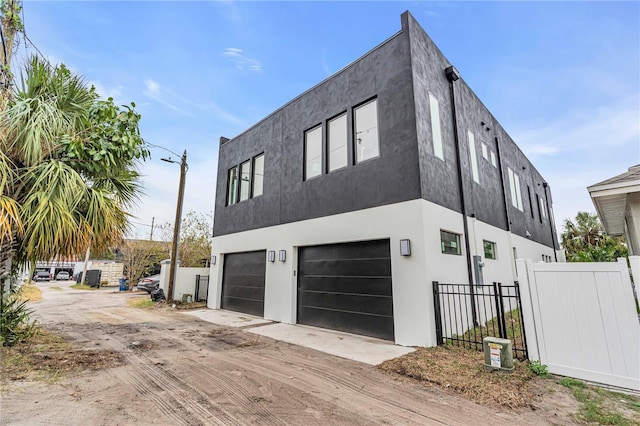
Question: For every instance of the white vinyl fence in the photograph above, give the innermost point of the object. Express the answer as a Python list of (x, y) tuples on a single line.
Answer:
[(581, 320)]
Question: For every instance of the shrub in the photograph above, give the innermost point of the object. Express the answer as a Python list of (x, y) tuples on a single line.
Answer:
[(15, 321), (539, 369)]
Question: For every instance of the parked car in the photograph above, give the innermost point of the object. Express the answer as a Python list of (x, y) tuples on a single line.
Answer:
[(149, 283), (63, 276), (41, 276)]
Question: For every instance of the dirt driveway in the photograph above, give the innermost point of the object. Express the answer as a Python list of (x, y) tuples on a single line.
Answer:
[(179, 370)]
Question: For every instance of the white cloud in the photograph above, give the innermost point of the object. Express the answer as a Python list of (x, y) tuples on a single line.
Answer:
[(242, 62), (582, 149), (178, 103), (154, 91)]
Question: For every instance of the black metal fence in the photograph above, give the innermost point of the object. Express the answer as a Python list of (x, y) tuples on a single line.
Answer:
[(466, 314), (202, 288)]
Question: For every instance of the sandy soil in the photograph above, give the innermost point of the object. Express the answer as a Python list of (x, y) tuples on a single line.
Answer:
[(179, 370)]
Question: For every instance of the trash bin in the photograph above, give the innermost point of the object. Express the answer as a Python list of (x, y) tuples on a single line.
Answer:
[(124, 284), (157, 295)]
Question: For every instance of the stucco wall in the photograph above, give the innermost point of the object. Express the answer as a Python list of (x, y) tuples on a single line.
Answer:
[(417, 220)]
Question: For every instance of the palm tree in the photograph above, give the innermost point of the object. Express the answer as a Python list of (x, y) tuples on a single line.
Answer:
[(585, 240), (67, 169)]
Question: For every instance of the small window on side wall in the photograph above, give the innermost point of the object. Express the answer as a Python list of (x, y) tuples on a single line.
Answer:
[(258, 175), (489, 249), (313, 153), (366, 131), (450, 242), (232, 185), (436, 131), (337, 136), (245, 180)]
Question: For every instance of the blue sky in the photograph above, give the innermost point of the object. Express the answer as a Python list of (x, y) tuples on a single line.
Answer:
[(563, 78)]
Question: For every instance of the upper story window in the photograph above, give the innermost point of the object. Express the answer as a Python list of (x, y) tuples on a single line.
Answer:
[(313, 153), (493, 159), (337, 135), (232, 185), (473, 156), (542, 207), (366, 131), (450, 243), (485, 151), (258, 175), (245, 182), (514, 186), (436, 131)]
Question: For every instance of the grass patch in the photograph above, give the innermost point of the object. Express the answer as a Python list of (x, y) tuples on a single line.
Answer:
[(461, 371), (603, 407), (140, 302), (30, 292), (513, 321), (192, 305), (48, 358), (83, 287)]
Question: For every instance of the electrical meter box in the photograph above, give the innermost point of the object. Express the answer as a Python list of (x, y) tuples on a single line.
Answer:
[(497, 354)]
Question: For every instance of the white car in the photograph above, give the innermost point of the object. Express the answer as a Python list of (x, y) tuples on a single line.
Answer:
[(63, 276)]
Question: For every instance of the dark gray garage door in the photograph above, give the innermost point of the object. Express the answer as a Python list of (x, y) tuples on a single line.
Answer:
[(243, 282), (347, 287)]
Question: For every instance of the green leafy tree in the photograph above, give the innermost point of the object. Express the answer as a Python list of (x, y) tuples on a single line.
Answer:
[(67, 165), (195, 239), (141, 256), (584, 240)]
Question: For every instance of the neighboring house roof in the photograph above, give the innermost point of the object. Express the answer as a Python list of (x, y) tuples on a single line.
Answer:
[(610, 198)]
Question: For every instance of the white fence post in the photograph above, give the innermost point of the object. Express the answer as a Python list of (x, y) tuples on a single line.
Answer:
[(528, 321)]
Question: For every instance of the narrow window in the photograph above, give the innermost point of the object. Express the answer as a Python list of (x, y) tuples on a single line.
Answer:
[(542, 207), (258, 175), (515, 258), (518, 192), (485, 151), (338, 143), (313, 152), (493, 159), (245, 180), (449, 242), (530, 201), (366, 131), (436, 132), (489, 249), (474, 159), (514, 186), (232, 185)]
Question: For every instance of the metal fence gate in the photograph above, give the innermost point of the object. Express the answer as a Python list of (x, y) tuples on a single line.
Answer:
[(202, 288), (465, 314)]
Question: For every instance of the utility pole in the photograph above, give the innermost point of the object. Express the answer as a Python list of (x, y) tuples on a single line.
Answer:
[(153, 219), (176, 227)]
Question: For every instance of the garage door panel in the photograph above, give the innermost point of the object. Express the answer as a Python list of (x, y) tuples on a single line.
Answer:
[(255, 293), (356, 323), (243, 282), (347, 287), (376, 267), (247, 306), (355, 250), (380, 286), (378, 305)]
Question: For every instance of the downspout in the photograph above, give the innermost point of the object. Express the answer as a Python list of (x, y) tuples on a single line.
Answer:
[(453, 76), (551, 220)]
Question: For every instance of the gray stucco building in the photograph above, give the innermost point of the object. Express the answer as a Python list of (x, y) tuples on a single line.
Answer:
[(340, 208)]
